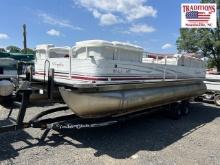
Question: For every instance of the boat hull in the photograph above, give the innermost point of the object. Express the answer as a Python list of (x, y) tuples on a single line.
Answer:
[(124, 100)]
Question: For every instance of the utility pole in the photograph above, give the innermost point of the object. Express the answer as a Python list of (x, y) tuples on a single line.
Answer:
[(24, 39)]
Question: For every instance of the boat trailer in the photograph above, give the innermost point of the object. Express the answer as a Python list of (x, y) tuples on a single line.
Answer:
[(71, 121)]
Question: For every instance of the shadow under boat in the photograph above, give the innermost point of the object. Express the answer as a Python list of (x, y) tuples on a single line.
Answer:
[(147, 133)]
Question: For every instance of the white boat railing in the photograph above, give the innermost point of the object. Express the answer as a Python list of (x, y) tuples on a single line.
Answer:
[(162, 59)]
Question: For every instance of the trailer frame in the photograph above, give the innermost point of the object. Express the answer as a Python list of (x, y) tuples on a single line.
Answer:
[(72, 121)]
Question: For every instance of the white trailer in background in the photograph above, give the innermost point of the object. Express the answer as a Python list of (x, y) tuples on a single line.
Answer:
[(213, 88)]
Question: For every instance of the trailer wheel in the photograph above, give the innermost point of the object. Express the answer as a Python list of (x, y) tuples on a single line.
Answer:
[(175, 110), (217, 100), (185, 108), (208, 96)]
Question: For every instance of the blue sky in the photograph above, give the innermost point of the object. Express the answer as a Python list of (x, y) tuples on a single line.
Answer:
[(152, 24)]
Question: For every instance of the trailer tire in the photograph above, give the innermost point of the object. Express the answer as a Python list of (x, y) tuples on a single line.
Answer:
[(175, 110), (208, 96), (217, 100), (185, 108)]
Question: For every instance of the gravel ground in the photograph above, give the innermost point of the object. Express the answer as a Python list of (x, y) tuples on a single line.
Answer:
[(152, 139)]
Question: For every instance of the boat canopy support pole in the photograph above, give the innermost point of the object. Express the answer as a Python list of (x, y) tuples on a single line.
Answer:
[(46, 71), (50, 85)]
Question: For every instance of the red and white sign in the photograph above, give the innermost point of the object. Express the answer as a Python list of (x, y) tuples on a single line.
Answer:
[(198, 15)]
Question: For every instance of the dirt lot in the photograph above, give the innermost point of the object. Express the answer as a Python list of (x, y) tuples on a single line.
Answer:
[(153, 139)]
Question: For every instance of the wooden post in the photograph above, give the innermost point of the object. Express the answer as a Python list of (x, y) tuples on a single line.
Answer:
[(24, 39)]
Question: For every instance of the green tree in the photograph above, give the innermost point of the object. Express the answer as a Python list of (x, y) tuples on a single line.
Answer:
[(13, 49), (28, 50), (204, 41), (211, 63)]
